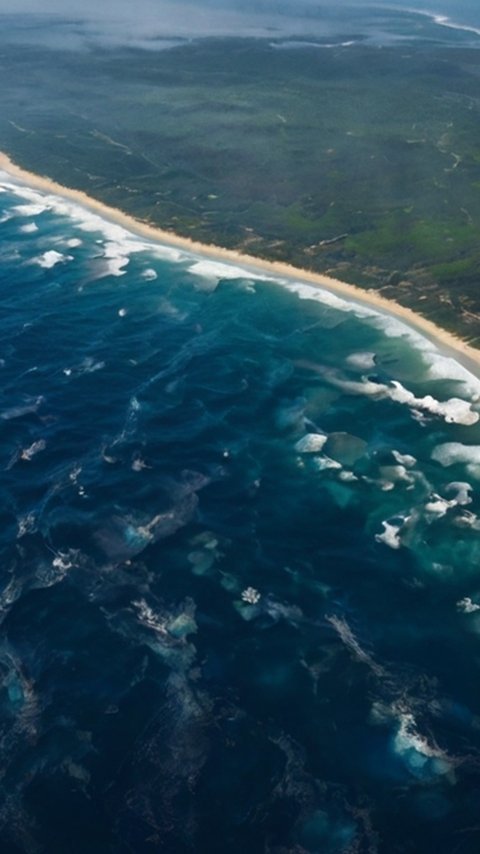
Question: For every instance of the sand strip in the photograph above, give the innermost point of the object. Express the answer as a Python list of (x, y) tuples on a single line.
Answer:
[(448, 343)]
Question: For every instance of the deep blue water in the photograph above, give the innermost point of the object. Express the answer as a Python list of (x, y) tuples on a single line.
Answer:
[(180, 439)]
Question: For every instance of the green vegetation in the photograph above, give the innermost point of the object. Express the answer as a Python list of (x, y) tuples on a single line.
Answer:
[(275, 152)]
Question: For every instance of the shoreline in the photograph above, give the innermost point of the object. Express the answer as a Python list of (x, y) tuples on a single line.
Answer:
[(446, 342)]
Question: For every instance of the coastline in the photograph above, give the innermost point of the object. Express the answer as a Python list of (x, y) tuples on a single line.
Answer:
[(448, 343)]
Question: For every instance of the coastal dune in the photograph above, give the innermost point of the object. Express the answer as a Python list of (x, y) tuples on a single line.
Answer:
[(445, 341)]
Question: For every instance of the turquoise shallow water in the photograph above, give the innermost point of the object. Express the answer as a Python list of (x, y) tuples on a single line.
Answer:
[(239, 583)]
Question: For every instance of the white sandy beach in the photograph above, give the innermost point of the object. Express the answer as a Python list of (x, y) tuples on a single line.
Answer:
[(446, 342)]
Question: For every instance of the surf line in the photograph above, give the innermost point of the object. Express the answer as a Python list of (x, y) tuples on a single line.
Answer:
[(447, 343)]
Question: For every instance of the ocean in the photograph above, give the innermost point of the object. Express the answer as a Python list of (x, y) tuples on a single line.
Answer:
[(239, 595)]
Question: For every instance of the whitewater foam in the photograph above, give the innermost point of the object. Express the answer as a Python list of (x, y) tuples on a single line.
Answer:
[(51, 258), (397, 474), (462, 491), (251, 595), (148, 618), (467, 519), (120, 243), (453, 411), (438, 506), (392, 327), (404, 459), (363, 361), (216, 270), (311, 292), (467, 606), (420, 755), (324, 463), (439, 367), (444, 367), (390, 536), (117, 255), (34, 209), (312, 443), (450, 453), (63, 561)]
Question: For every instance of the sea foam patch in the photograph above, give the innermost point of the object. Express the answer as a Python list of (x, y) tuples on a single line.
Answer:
[(361, 361), (218, 270), (166, 253), (454, 410), (393, 327), (318, 294), (444, 367), (33, 209), (455, 452), (452, 453), (312, 443), (51, 258), (391, 535)]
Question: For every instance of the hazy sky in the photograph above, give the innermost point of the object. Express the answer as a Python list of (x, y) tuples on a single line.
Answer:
[(107, 8), (190, 17), (137, 21)]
